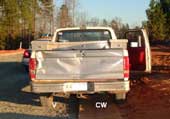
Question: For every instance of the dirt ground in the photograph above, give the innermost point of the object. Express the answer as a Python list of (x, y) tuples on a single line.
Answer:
[(149, 97)]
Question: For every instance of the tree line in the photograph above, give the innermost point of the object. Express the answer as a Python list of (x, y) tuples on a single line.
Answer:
[(18, 21), (24, 20), (158, 23)]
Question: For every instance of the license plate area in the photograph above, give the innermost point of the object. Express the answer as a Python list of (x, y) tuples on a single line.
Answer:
[(75, 87)]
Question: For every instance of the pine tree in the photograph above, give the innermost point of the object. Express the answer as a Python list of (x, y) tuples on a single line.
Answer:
[(156, 21), (17, 21), (165, 4)]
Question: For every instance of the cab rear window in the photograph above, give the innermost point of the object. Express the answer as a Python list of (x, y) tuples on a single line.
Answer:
[(83, 35)]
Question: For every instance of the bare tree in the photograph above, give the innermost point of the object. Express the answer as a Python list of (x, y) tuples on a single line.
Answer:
[(104, 22), (64, 18), (94, 21), (46, 16), (81, 19), (71, 5)]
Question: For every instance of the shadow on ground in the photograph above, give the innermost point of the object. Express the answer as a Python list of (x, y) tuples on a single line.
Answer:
[(13, 78), (25, 116)]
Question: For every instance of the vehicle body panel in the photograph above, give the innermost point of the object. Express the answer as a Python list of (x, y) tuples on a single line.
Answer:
[(139, 51), (85, 66), (92, 87), (80, 64), (39, 45)]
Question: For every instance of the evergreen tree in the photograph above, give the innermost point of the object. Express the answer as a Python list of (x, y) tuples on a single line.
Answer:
[(156, 21), (165, 4), (18, 20)]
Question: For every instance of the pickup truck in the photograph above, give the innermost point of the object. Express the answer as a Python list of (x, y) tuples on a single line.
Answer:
[(86, 60)]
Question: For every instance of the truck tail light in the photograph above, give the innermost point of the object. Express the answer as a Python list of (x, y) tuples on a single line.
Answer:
[(32, 67), (126, 65)]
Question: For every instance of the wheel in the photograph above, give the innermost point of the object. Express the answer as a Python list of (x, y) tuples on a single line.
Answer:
[(61, 106), (120, 98)]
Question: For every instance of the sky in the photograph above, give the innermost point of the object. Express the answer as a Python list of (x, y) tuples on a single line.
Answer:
[(129, 11)]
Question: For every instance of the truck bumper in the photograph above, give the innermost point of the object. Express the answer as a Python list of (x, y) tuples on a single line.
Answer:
[(89, 87)]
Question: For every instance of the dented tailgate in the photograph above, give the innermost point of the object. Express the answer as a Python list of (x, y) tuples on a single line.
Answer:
[(79, 64)]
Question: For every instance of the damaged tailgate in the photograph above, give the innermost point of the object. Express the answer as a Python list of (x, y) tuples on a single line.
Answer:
[(79, 64)]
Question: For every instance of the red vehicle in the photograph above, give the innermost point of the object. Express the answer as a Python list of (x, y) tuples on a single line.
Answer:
[(26, 57)]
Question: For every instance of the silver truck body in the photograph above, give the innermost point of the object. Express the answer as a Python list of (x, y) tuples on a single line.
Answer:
[(69, 65), (86, 66), (77, 64), (80, 67)]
